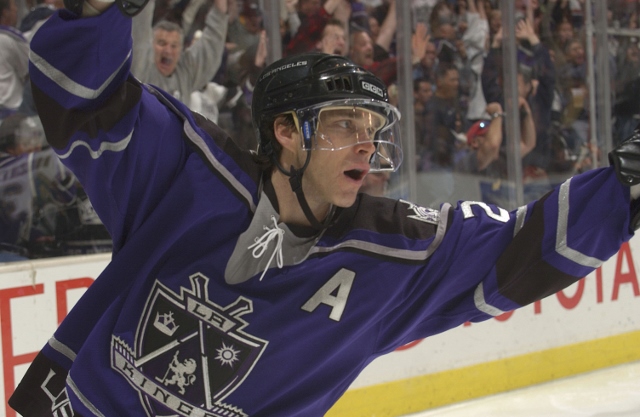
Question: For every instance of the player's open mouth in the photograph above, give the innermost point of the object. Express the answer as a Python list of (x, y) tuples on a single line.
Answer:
[(355, 174)]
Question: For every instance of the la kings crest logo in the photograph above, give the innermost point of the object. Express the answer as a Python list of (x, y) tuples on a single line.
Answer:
[(189, 353)]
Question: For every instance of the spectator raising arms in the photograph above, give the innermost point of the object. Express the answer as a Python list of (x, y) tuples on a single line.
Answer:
[(486, 154), (476, 42), (244, 26), (361, 52), (313, 17), (333, 39), (536, 83), (159, 58)]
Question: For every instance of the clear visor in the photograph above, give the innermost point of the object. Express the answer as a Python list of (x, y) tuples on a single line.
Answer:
[(341, 124)]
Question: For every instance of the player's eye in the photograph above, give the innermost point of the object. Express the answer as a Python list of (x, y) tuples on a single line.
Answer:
[(345, 124)]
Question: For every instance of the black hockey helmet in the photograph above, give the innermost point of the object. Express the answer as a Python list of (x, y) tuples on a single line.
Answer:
[(301, 84)]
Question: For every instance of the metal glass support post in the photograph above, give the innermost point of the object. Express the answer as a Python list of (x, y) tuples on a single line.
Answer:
[(603, 84), (510, 71), (591, 79), (271, 21), (405, 101)]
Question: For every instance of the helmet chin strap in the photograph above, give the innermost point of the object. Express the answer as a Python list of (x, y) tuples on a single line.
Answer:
[(295, 180)]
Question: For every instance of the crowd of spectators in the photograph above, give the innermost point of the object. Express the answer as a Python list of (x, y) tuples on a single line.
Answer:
[(208, 54)]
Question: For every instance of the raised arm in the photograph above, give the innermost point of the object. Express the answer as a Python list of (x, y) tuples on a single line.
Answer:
[(142, 35), (102, 123), (527, 128), (204, 57), (388, 28), (489, 147), (477, 33)]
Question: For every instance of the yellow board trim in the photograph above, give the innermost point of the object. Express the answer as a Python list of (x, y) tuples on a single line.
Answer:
[(424, 392)]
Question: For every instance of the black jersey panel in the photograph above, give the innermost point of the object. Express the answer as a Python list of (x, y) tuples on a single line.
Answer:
[(523, 276), (381, 215), (61, 123)]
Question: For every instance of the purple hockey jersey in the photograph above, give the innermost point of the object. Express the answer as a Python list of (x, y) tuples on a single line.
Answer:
[(193, 317)]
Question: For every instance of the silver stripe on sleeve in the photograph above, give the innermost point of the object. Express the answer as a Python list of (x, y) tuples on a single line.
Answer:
[(82, 398), (104, 146), (481, 303), (442, 228), (521, 214), (62, 348), (199, 142), (374, 248), (561, 232), (67, 83)]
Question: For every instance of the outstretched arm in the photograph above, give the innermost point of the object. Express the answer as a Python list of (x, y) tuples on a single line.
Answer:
[(527, 129), (491, 261)]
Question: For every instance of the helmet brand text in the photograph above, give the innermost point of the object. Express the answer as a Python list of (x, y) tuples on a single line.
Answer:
[(284, 67), (373, 88)]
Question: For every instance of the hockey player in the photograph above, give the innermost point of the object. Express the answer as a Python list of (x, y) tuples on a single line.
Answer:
[(261, 285)]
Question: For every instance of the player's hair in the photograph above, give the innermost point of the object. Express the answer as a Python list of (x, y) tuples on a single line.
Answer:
[(267, 133)]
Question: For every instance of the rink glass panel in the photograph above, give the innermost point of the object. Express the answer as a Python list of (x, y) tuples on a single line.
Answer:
[(594, 105)]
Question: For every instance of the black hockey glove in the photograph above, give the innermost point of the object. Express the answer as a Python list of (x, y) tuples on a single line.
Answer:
[(625, 159), (127, 7)]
